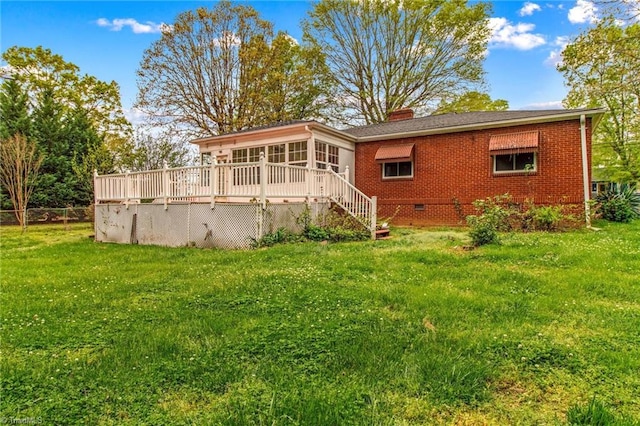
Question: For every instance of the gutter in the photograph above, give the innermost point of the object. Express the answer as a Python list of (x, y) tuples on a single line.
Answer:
[(585, 170)]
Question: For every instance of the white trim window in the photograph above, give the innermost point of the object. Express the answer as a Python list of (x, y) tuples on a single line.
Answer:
[(396, 161), (327, 156), (515, 162), (400, 169)]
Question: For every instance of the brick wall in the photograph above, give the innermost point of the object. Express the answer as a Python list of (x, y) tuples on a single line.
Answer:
[(453, 170)]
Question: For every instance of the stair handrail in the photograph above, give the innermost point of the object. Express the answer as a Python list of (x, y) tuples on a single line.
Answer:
[(353, 201)]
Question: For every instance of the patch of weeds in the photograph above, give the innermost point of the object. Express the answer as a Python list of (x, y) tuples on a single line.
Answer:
[(336, 225), (452, 377), (595, 413), (546, 218), (282, 235)]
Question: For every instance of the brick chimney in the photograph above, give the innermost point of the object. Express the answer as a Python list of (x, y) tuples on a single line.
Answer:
[(401, 114)]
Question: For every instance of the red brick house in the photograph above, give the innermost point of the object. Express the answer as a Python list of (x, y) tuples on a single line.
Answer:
[(431, 169), (421, 171)]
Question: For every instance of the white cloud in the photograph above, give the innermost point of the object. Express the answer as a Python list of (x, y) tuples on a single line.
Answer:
[(555, 57), (138, 28), (529, 8), (583, 11), (135, 116), (518, 36), (543, 105)]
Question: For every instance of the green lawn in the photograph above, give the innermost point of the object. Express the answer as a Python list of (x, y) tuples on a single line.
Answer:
[(410, 330)]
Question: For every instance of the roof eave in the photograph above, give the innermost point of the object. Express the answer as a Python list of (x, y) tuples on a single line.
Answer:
[(594, 114), (306, 124)]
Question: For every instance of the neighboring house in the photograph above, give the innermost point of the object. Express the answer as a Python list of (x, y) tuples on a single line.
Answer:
[(429, 170), (417, 171)]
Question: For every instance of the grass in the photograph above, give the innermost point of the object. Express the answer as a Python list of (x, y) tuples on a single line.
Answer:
[(542, 329)]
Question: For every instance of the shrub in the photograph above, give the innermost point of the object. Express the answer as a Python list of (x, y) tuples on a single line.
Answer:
[(337, 225), (315, 233), (619, 206), (546, 218), (500, 211), (495, 214), (483, 230), (282, 235)]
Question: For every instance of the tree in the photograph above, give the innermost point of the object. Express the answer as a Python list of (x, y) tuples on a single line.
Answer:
[(626, 10), (71, 148), (388, 54), (38, 70), (19, 165), (602, 69), (14, 119), (153, 151), (14, 110), (472, 101), (221, 70)]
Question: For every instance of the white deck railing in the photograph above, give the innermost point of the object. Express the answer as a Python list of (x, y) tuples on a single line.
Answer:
[(257, 181)]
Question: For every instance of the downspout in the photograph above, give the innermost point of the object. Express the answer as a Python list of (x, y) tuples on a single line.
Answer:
[(585, 170)]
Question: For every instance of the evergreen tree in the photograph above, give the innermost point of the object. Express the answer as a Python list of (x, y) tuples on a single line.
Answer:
[(14, 110), (14, 120), (48, 132)]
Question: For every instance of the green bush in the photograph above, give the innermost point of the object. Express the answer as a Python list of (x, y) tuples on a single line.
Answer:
[(315, 233), (546, 218), (499, 211), (495, 214), (282, 235), (619, 206), (483, 231)]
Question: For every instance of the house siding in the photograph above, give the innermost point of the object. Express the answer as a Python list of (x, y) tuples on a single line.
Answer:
[(452, 170)]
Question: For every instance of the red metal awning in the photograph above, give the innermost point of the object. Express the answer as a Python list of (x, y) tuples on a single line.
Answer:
[(513, 143), (395, 153)]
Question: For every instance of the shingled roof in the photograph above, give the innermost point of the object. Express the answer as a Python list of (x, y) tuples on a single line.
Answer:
[(431, 124), (446, 123)]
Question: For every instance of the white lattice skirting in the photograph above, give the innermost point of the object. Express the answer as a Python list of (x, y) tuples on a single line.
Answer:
[(227, 225)]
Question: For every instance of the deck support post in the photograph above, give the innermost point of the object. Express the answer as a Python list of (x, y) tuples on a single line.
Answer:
[(165, 184), (127, 185), (309, 179), (263, 181), (213, 180), (374, 216)]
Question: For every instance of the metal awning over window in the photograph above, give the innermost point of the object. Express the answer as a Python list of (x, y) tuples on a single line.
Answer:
[(513, 143), (394, 153)]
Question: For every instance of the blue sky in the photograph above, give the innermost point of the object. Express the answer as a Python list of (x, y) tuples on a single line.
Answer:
[(107, 39)]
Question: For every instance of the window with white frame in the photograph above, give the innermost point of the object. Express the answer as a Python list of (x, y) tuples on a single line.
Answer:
[(327, 156), (276, 153), (515, 152), (396, 160), (515, 162), (400, 169), (298, 153), (206, 158), (297, 157)]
